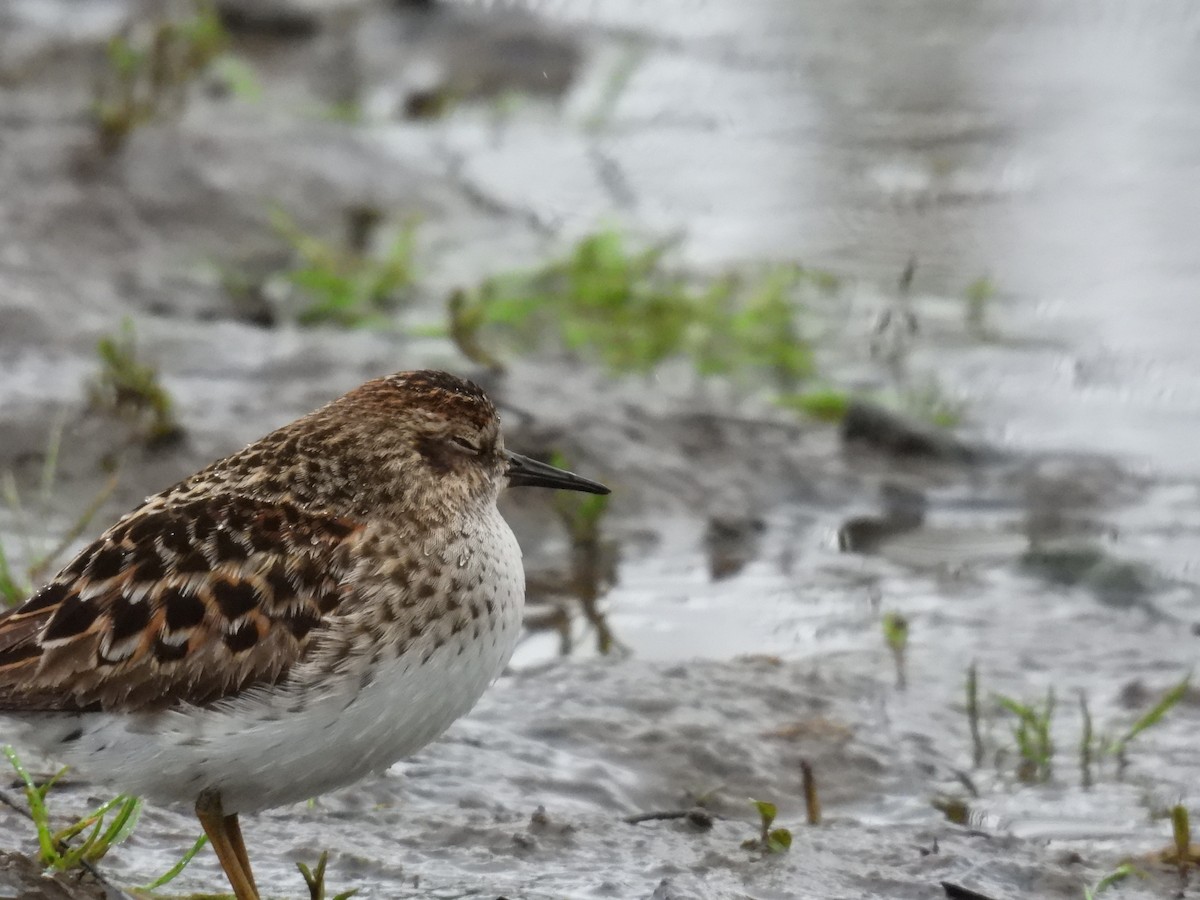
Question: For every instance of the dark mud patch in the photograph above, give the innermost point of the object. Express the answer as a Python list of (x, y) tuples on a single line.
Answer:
[(22, 877)]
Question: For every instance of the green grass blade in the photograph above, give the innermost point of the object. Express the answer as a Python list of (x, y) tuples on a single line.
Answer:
[(1155, 714), (1114, 877), (172, 872), (87, 821), (37, 809), (75, 855), (122, 826)]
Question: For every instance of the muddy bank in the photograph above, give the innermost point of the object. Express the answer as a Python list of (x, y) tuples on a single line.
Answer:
[(528, 798)]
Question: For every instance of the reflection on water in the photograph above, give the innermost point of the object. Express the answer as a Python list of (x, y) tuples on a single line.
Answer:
[(1050, 147)]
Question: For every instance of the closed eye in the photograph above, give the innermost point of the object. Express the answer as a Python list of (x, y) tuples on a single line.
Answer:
[(465, 445)]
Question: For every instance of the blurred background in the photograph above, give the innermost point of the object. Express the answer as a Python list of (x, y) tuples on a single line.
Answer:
[(878, 317)]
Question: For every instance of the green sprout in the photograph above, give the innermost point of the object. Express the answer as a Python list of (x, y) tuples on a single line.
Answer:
[(1181, 834), (824, 404), (973, 716), (769, 840), (1086, 742), (237, 77), (130, 389), (347, 286), (146, 76), (315, 879), (171, 873), (955, 809), (1119, 747), (12, 591), (895, 634), (1032, 735), (978, 295), (928, 401)]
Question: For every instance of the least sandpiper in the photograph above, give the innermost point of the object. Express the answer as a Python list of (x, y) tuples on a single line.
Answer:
[(290, 619)]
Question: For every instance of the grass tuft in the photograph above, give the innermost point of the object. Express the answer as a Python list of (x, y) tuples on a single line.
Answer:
[(148, 70), (823, 404), (346, 285), (130, 389), (1032, 734), (100, 833), (627, 310)]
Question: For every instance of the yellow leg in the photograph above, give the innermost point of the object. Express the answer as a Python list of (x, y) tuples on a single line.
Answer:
[(225, 835), (234, 830)]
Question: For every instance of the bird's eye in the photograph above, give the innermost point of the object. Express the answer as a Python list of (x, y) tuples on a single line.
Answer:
[(464, 444)]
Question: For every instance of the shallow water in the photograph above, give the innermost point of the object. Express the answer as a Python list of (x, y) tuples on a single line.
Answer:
[(1049, 147)]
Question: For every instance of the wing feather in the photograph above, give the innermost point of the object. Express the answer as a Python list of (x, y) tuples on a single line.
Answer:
[(179, 602)]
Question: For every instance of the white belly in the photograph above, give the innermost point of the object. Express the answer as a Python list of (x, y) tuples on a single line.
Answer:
[(268, 749)]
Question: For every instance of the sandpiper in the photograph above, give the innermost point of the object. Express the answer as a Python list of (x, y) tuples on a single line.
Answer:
[(290, 619)]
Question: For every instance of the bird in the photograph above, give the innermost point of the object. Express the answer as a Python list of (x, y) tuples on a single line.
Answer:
[(289, 619)]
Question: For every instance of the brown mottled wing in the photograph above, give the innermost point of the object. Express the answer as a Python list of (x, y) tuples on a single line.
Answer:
[(189, 602)]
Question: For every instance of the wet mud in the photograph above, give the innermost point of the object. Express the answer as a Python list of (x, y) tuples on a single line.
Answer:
[(750, 557)]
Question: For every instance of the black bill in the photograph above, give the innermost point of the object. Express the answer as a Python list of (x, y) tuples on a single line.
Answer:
[(526, 472)]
